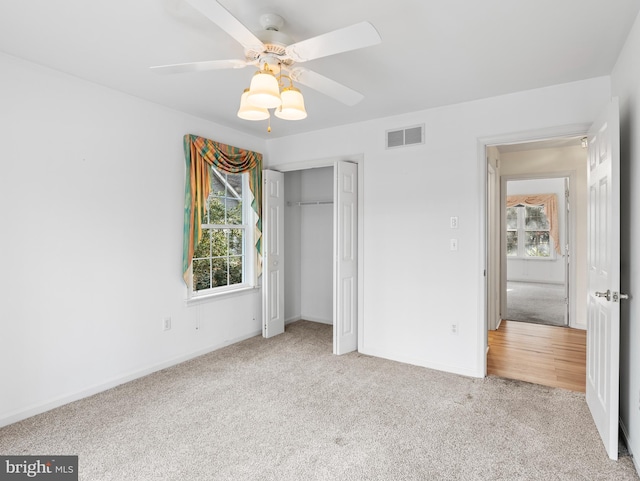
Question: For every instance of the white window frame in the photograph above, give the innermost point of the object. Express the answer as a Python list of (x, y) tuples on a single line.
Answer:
[(521, 230), (248, 248)]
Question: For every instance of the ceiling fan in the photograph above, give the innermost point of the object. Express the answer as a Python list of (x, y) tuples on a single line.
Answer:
[(273, 49)]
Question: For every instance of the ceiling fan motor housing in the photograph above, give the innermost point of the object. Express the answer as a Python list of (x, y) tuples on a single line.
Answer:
[(275, 42)]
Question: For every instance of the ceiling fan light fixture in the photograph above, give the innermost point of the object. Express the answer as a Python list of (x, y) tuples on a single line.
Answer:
[(251, 112), (292, 107), (264, 91)]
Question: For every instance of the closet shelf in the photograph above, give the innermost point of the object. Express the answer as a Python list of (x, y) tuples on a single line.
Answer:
[(311, 202)]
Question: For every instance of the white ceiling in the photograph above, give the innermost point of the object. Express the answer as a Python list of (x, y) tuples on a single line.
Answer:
[(433, 52)]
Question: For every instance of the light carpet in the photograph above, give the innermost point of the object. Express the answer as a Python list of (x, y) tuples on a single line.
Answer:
[(287, 409), (535, 302)]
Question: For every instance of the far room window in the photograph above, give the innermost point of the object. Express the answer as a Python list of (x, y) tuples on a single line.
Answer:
[(220, 260), (528, 232)]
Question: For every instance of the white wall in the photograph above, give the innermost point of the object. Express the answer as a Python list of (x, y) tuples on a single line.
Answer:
[(414, 287), (317, 246), (309, 246), (550, 270), (562, 161), (292, 247), (91, 202), (625, 80)]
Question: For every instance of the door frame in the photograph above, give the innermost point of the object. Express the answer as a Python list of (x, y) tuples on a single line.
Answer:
[(493, 248), (357, 159), (483, 244)]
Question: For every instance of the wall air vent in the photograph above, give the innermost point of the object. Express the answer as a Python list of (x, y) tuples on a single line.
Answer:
[(404, 137)]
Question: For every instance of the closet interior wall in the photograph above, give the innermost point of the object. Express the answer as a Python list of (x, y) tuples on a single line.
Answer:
[(308, 244)]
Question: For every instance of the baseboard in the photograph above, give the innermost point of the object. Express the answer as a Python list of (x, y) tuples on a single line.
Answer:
[(98, 388), (419, 362), (537, 281), (292, 319), (308, 318), (317, 319), (625, 435)]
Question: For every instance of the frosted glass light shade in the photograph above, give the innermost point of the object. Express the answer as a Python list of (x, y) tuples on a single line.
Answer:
[(292, 107), (251, 112), (264, 91)]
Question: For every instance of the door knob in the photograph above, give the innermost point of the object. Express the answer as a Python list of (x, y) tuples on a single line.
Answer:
[(606, 295)]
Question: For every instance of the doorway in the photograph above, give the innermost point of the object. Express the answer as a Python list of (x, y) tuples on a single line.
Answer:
[(559, 166), (308, 245), (311, 249), (537, 250), (556, 166)]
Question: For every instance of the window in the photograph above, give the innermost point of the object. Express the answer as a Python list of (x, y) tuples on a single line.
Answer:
[(528, 232), (221, 259)]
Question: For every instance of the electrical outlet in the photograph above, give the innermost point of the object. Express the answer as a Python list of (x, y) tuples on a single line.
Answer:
[(166, 323), (454, 222), (454, 329)]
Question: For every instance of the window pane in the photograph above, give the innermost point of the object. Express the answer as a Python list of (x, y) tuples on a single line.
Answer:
[(234, 211), (201, 274), (235, 270), (512, 243), (219, 243), (219, 272), (235, 241), (235, 181), (203, 249), (217, 185), (535, 218), (512, 217), (537, 244), (216, 211)]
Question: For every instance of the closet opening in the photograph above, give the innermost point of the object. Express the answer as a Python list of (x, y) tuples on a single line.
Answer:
[(308, 245), (311, 249)]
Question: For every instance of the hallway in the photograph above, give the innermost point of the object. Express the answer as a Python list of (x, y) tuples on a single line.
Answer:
[(547, 355)]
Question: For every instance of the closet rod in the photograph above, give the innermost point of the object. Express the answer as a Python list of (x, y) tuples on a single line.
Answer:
[(311, 202)]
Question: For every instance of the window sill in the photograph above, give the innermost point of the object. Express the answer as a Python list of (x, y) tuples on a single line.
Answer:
[(535, 259), (219, 295)]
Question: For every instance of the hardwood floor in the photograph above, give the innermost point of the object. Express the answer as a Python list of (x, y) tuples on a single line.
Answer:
[(547, 355)]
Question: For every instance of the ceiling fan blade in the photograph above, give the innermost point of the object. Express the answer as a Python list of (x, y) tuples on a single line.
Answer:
[(227, 22), (199, 66), (356, 36), (326, 86)]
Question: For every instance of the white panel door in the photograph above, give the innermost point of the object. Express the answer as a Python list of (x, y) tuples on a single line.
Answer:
[(603, 243), (273, 253), (345, 284)]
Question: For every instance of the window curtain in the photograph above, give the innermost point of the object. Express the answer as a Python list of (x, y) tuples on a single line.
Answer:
[(200, 154), (549, 203)]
